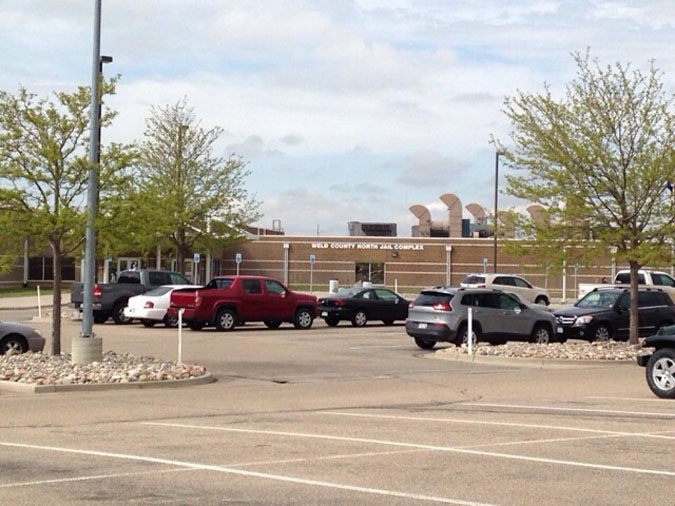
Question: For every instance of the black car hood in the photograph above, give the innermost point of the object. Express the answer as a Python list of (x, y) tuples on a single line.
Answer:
[(581, 311)]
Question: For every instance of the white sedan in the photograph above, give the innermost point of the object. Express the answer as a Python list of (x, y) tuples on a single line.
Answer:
[(151, 306)]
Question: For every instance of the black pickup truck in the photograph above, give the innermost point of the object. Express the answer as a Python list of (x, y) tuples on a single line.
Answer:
[(110, 299)]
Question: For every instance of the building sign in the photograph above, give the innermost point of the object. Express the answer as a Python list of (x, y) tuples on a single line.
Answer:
[(367, 245)]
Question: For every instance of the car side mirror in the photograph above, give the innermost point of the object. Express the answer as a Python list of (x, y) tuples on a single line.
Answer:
[(523, 306)]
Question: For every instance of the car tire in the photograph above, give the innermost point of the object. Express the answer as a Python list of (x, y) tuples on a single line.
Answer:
[(118, 314), (388, 322), (541, 300), (225, 320), (601, 333), (100, 317), (332, 321), (424, 344), (659, 371), (170, 322), (196, 325), (462, 333), (13, 344), (541, 334), (148, 323), (272, 324), (359, 319), (303, 319)]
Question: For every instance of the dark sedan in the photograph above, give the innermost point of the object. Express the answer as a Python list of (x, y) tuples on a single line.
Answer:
[(361, 304), (17, 338)]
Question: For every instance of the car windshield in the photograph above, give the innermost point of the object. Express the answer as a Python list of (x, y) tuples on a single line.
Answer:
[(158, 292), (599, 299)]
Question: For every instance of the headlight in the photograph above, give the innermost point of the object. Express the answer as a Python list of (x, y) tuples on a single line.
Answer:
[(583, 320)]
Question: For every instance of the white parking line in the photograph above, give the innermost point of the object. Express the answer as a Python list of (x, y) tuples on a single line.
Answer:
[(571, 410), (373, 346), (655, 435), (639, 399), (86, 478), (329, 457), (253, 474), (422, 446)]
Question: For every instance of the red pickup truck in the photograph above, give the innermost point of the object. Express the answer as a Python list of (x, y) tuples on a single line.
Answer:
[(228, 301)]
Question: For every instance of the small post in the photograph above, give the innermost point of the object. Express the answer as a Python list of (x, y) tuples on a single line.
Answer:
[(469, 332), (180, 336), (39, 303), (396, 285)]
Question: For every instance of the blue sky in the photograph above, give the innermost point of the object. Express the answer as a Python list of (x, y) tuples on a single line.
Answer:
[(345, 110)]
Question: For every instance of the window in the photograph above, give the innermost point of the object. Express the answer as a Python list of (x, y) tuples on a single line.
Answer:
[(157, 292), (662, 279), (506, 302), (474, 280), (274, 287), (130, 277), (372, 272), (503, 280), (604, 299), (368, 294), (521, 283), (386, 295), (623, 278), (432, 298), (156, 278), (478, 300), (220, 283), (650, 299), (251, 286), (177, 279)]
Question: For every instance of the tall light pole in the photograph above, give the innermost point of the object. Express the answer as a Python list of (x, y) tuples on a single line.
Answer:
[(494, 253), (87, 348)]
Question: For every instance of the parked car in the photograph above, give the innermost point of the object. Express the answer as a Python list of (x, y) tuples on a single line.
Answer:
[(110, 299), (151, 307), (646, 278), (660, 365), (228, 301), (441, 314), (604, 314), (18, 338), (508, 283), (362, 304)]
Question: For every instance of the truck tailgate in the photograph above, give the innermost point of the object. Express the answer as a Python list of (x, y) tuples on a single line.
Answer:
[(183, 298)]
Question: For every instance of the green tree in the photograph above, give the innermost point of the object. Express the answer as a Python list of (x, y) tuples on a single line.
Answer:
[(186, 197), (43, 174), (598, 159)]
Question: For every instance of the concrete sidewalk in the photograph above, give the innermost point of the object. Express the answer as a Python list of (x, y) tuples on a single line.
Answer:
[(31, 301)]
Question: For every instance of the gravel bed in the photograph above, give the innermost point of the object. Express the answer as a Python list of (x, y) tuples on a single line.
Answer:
[(610, 350), (42, 369)]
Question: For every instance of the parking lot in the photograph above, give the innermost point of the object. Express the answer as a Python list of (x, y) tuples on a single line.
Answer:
[(340, 416)]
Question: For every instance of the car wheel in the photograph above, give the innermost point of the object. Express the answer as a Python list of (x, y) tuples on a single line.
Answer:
[(601, 333), (541, 335), (388, 322), (148, 323), (170, 321), (359, 319), (541, 300), (272, 324), (225, 320), (462, 335), (100, 317), (195, 325), (118, 314), (332, 321), (303, 319), (13, 345), (424, 344), (660, 373)]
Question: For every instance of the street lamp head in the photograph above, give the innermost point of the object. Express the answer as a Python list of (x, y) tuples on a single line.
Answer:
[(106, 59)]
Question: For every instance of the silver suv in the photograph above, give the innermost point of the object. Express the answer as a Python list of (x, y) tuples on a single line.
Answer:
[(440, 314)]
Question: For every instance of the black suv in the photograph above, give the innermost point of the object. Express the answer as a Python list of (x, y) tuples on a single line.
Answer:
[(603, 314)]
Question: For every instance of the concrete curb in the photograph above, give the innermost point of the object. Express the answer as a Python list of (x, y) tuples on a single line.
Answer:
[(28, 388), (533, 363)]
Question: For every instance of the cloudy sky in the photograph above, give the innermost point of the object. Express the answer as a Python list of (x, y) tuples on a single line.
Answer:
[(346, 110)]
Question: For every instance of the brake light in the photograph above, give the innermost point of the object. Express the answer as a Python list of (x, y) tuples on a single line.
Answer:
[(480, 286), (149, 305), (412, 304), (198, 299), (97, 292), (339, 302), (442, 306)]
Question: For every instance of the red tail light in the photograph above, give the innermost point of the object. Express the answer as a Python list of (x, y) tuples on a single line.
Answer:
[(149, 305), (198, 299), (97, 292), (442, 306), (339, 302), (480, 286), (412, 304)]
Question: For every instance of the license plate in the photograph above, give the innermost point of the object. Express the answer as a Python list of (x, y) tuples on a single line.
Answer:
[(560, 330), (324, 313), (421, 325)]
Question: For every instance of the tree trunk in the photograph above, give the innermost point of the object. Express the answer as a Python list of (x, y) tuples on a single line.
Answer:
[(56, 301), (634, 266)]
